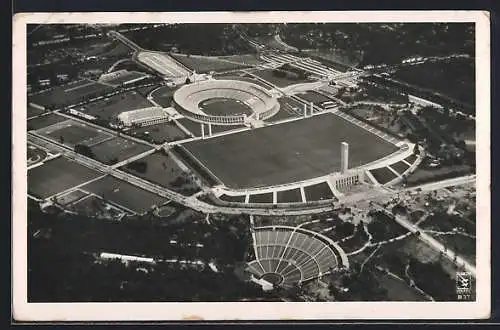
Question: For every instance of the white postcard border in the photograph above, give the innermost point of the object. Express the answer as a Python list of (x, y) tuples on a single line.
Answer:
[(24, 311)]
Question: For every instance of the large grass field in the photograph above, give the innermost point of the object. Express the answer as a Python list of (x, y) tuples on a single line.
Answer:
[(163, 96), (123, 193), (163, 170), (248, 59), (32, 111), (224, 107), (71, 133), (269, 76), (204, 64), (108, 109), (117, 150), (44, 121), (159, 133), (287, 152), (69, 94), (315, 97), (56, 176)]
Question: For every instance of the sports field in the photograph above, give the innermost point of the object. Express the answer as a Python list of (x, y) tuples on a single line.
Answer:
[(223, 106), (383, 174), (163, 96), (318, 192), (44, 121), (204, 64), (162, 170), (109, 108), (269, 76), (71, 133), (56, 176), (159, 133), (315, 97), (123, 193), (117, 150), (289, 196), (69, 94), (287, 152)]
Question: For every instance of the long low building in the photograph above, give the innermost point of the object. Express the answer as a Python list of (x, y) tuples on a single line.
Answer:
[(144, 116)]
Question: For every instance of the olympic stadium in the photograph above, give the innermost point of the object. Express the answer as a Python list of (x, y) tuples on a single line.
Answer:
[(246, 100)]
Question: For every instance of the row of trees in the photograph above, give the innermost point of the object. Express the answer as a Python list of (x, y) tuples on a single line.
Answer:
[(383, 42)]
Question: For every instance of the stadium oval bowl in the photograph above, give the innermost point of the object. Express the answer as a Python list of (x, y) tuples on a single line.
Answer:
[(257, 98)]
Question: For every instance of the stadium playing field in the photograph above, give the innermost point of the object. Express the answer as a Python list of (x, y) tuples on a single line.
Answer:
[(287, 152), (57, 175), (71, 133), (223, 107)]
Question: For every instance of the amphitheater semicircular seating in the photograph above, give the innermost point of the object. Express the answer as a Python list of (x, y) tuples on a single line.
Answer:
[(291, 256), (187, 99)]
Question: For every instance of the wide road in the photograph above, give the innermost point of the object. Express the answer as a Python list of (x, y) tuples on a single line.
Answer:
[(191, 202), (194, 203), (436, 245)]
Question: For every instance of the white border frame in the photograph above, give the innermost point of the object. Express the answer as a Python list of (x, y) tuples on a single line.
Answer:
[(24, 311)]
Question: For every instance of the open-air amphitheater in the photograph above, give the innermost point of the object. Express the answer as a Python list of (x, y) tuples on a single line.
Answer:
[(286, 256), (262, 104)]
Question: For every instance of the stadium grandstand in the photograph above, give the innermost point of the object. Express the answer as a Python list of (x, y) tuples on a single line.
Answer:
[(144, 117), (188, 98), (287, 256), (163, 64)]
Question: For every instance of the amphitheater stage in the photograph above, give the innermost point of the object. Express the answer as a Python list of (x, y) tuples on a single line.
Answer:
[(288, 152)]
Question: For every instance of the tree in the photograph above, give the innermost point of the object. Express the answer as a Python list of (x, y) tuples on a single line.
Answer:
[(84, 150)]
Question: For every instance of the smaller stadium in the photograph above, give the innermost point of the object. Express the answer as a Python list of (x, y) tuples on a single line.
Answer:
[(287, 256), (225, 102)]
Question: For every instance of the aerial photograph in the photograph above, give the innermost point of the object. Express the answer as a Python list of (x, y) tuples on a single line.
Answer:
[(251, 162)]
